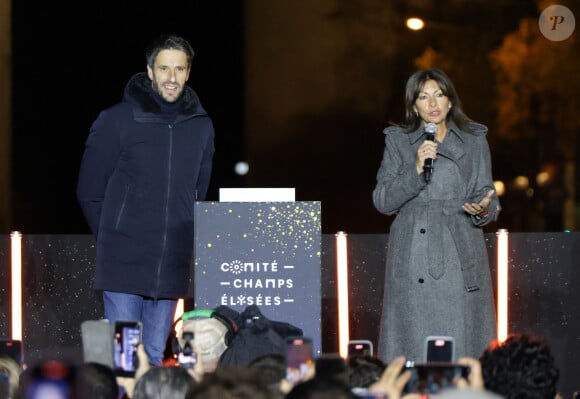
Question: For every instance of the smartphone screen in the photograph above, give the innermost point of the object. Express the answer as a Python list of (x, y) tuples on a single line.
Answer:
[(433, 377), (439, 349), (364, 393), (299, 359), (360, 347), (126, 340), (97, 341), (187, 357)]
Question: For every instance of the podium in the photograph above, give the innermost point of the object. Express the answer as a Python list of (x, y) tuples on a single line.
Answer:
[(261, 253)]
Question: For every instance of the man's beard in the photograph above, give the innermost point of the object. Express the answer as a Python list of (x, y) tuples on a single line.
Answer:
[(157, 88)]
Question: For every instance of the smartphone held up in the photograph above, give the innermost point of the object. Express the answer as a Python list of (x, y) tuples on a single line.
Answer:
[(127, 338), (186, 354), (439, 349), (431, 378), (299, 359), (97, 339), (362, 347)]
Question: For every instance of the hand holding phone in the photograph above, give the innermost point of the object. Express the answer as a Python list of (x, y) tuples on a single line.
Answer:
[(126, 340), (299, 359), (432, 377), (187, 356)]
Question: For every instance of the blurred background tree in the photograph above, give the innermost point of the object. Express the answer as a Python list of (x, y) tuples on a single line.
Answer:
[(537, 125)]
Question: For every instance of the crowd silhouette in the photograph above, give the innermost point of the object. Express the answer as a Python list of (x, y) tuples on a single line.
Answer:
[(522, 366)]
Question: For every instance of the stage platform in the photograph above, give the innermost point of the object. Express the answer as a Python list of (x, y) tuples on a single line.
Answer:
[(543, 300)]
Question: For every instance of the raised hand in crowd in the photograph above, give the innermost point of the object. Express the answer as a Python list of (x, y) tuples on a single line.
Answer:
[(475, 378), (392, 382), (128, 383)]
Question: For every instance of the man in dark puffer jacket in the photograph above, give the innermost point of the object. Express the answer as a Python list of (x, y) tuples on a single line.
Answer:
[(147, 160)]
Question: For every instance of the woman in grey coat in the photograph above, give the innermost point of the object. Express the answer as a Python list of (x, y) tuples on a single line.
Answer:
[(437, 279)]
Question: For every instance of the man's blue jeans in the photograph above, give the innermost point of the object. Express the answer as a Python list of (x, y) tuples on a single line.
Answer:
[(156, 315)]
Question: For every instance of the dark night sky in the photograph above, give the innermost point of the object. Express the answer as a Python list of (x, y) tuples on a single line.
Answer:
[(71, 61)]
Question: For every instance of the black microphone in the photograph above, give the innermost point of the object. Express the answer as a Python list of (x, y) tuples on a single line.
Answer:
[(430, 131)]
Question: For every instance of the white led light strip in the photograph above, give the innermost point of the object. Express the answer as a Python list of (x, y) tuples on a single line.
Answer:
[(342, 292), (502, 284), (16, 285)]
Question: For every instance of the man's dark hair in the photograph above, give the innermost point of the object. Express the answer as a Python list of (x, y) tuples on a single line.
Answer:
[(364, 370), (271, 367), (168, 42), (232, 383), (170, 382), (520, 367), (97, 381), (320, 388)]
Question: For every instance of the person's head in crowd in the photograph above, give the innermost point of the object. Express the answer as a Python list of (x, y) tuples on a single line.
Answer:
[(210, 338), (230, 383), (320, 388), (171, 382), (333, 367), (48, 378), (520, 367), (364, 370), (97, 381), (271, 369), (11, 369)]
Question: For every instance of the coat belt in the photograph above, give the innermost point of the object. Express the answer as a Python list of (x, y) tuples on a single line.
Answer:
[(449, 213)]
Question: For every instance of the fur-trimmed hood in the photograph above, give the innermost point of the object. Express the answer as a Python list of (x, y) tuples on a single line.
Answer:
[(139, 92)]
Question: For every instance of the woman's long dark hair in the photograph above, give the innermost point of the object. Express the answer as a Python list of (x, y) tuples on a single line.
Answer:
[(415, 85)]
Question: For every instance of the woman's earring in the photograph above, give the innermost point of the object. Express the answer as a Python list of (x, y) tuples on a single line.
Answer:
[(416, 113)]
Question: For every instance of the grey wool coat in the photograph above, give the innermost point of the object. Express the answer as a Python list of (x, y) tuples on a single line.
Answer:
[(437, 278)]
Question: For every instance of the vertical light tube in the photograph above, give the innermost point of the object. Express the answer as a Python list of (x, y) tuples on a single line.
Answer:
[(16, 285), (342, 292), (502, 284)]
